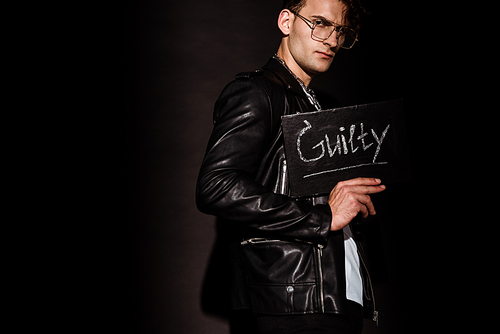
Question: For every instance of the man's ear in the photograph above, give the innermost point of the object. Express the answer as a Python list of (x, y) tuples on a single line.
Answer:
[(285, 21)]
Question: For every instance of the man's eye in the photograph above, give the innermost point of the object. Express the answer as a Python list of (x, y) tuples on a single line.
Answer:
[(320, 23)]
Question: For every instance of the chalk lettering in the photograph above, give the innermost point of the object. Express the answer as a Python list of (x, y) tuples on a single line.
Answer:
[(337, 147), (353, 128), (362, 137), (321, 143), (379, 141), (341, 144), (343, 141)]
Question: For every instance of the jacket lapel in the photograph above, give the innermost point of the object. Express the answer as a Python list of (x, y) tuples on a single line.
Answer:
[(290, 82)]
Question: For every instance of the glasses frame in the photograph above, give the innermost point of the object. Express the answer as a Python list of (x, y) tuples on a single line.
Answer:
[(336, 27)]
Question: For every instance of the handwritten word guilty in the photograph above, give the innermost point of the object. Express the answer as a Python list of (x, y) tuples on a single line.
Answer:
[(342, 145)]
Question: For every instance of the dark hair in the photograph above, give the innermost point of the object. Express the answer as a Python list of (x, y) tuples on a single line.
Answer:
[(353, 13)]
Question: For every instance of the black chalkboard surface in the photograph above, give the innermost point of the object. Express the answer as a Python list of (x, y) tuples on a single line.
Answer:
[(325, 147)]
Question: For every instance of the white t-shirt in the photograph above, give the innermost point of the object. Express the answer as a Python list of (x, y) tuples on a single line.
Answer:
[(354, 284)]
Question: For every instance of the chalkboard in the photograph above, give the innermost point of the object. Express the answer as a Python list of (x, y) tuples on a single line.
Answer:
[(325, 147)]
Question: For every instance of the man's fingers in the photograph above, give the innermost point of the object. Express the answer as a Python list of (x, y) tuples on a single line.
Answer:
[(366, 189), (351, 197), (364, 211), (361, 185), (367, 203), (368, 181), (360, 189), (364, 204)]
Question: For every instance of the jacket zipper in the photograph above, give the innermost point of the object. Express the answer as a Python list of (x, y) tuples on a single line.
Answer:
[(264, 240), (283, 178), (257, 241), (375, 312), (320, 266)]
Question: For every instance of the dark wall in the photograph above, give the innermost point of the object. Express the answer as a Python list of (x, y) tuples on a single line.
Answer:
[(180, 56)]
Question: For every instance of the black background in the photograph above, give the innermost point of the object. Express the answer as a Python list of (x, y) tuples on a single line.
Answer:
[(178, 57)]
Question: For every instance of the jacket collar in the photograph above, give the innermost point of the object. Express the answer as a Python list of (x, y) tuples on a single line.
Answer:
[(290, 82)]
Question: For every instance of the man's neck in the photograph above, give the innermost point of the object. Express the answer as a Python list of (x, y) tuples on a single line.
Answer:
[(284, 54), (308, 91)]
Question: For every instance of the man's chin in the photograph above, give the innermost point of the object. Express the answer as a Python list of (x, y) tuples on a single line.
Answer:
[(319, 69)]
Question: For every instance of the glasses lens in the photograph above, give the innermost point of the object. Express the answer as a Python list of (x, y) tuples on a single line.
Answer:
[(348, 38), (321, 30), (345, 36)]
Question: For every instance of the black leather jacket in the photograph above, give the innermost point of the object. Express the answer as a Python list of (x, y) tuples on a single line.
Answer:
[(284, 258)]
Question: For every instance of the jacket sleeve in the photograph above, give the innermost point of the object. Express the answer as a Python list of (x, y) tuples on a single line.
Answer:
[(226, 184)]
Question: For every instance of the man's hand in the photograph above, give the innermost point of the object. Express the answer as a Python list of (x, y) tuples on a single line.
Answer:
[(350, 197)]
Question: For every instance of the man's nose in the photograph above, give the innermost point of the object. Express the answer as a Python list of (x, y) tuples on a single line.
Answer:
[(332, 40)]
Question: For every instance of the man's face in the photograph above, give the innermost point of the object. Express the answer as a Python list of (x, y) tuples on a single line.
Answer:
[(314, 56)]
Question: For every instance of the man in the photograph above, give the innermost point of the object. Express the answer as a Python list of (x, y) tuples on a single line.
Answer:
[(294, 263)]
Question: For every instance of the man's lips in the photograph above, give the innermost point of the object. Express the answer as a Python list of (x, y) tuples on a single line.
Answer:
[(326, 54)]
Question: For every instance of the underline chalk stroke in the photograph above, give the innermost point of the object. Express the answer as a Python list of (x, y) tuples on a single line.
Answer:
[(344, 168)]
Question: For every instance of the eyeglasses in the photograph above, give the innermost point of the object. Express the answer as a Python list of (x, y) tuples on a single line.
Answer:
[(322, 29)]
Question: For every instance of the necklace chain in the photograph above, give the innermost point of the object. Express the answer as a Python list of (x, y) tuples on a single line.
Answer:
[(309, 92)]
